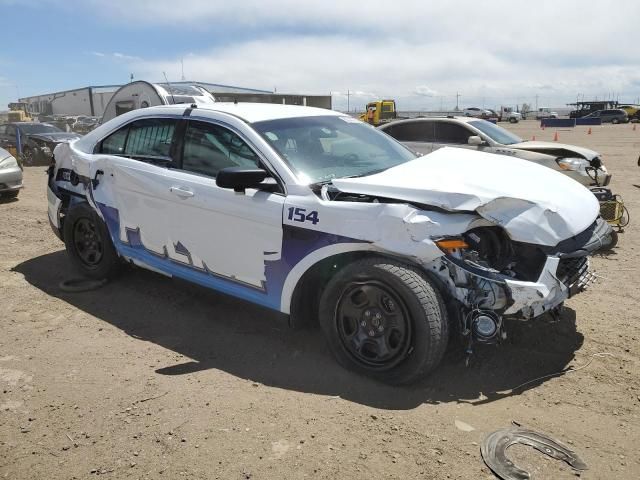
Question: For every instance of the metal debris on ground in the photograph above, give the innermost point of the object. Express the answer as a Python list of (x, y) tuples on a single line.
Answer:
[(495, 445)]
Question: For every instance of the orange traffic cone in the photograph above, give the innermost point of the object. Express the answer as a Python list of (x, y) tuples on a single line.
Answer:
[(589, 132), (533, 139), (555, 137)]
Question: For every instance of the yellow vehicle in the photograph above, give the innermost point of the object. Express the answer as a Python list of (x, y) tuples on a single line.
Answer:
[(632, 110), (379, 112), (18, 112)]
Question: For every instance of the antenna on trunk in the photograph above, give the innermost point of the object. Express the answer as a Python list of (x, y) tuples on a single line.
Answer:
[(173, 100)]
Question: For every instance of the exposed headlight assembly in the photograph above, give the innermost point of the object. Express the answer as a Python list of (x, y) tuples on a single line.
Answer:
[(574, 164)]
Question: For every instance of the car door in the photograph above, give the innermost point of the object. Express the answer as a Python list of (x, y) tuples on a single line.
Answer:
[(227, 235), (132, 166), (417, 135), (450, 134)]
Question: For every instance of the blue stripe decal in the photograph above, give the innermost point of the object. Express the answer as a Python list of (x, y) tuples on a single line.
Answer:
[(297, 243)]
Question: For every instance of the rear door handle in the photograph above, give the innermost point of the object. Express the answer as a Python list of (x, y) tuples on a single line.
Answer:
[(181, 192)]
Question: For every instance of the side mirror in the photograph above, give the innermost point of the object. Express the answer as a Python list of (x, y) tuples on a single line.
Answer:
[(475, 140), (240, 178)]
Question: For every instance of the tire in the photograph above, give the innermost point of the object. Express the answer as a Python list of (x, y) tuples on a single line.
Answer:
[(615, 121), (10, 195), (88, 243), (412, 329), (612, 243), (512, 120)]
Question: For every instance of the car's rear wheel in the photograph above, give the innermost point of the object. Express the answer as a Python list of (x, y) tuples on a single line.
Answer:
[(615, 121), (10, 195), (88, 243), (384, 319)]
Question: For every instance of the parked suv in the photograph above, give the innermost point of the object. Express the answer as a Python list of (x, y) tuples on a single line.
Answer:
[(318, 215), (424, 135), (610, 116)]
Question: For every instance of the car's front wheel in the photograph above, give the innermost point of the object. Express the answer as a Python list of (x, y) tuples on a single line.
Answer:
[(615, 121), (88, 244), (384, 319)]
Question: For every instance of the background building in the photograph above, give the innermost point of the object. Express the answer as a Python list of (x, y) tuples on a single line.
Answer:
[(92, 100)]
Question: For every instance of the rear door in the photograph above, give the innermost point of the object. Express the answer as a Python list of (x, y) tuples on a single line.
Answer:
[(133, 168)]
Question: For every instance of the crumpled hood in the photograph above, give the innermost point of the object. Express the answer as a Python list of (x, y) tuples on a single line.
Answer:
[(55, 137), (541, 146), (534, 204)]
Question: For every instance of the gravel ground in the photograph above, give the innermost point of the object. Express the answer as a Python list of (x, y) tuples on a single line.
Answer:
[(154, 378)]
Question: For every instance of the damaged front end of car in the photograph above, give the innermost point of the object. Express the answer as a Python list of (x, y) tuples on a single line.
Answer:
[(494, 278), (521, 246)]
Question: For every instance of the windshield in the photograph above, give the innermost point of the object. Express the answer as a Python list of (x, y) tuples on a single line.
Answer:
[(326, 147), (38, 128), (496, 133)]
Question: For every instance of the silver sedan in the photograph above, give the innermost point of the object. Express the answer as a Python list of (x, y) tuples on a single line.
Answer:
[(10, 175)]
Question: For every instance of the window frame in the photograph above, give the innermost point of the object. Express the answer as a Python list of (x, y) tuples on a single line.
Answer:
[(170, 161), (263, 163)]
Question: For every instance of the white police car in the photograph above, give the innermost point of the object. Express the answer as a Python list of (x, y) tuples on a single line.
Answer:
[(317, 215)]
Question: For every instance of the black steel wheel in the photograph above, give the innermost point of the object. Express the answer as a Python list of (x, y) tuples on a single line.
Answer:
[(88, 243), (384, 319), (373, 324)]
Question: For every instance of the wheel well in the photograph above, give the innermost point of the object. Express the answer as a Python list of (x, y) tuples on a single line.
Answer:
[(306, 295)]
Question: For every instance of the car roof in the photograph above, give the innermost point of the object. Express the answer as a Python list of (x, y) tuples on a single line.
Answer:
[(440, 118), (248, 112)]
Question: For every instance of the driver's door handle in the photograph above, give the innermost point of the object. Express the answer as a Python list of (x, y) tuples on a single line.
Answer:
[(181, 192)]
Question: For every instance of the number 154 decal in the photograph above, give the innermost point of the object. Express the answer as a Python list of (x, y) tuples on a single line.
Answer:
[(298, 214)]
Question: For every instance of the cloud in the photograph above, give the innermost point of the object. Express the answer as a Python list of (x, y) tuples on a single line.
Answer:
[(116, 56), (425, 91), (368, 68), (423, 54)]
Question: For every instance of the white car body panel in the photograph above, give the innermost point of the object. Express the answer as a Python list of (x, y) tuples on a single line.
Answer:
[(515, 205), (182, 224)]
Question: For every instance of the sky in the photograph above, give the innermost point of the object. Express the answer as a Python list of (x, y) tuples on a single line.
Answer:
[(422, 53)]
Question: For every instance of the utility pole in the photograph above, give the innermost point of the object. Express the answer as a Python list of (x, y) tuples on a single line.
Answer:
[(457, 104), (182, 68), (348, 98), (536, 102)]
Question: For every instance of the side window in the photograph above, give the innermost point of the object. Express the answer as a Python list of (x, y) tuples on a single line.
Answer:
[(151, 137), (419, 131), (209, 148), (447, 132), (114, 143)]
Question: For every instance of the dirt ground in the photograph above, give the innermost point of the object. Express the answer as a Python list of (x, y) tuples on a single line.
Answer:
[(154, 378)]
